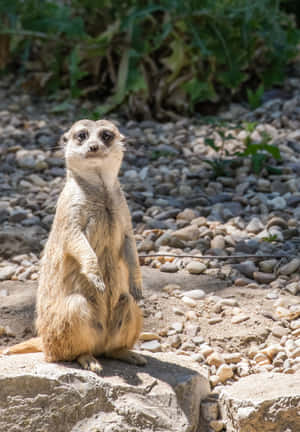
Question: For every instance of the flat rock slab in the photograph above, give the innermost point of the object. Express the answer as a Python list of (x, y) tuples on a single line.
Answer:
[(266, 402), (163, 396)]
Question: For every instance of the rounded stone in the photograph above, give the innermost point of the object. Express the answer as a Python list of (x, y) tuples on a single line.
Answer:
[(196, 267), (196, 294), (153, 346), (225, 372)]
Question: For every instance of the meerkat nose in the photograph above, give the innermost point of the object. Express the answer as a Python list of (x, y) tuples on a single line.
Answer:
[(94, 147)]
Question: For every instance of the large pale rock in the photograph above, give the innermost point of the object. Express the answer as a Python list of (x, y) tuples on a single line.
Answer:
[(265, 402), (37, 396)]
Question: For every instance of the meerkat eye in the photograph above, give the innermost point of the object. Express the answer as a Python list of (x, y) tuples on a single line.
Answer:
[(82, 135), (107, 136)]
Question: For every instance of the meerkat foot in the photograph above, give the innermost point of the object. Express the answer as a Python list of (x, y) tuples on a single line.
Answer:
[(88, 362), (127, 356), (96, 281)]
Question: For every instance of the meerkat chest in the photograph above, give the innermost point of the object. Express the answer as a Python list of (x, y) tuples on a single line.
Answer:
[(105, 227)]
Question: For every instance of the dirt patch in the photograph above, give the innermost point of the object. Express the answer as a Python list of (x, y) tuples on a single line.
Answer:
[(162, 310)]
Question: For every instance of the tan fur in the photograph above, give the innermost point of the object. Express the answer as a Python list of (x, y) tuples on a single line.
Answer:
[(90, 276)]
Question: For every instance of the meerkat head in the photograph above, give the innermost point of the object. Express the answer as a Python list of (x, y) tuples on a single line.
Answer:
[(93, 145)]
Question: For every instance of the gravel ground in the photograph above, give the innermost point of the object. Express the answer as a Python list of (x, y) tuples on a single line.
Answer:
[(178, 208)]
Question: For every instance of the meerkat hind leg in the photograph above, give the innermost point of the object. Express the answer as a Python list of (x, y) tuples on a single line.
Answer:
[(127, 356), (88, 362)]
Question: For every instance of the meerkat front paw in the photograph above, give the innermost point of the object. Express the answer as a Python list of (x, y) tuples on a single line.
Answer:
[(88, 362), (96, 281)]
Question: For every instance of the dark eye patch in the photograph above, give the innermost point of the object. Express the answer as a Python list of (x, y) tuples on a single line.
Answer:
[(81, 135), (107, 136)]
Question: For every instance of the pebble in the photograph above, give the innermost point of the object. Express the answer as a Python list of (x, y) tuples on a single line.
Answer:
[(149, 336), (224, 372), (267, 266), (187, 233), (293, 288), (295, 353), (177, 326), (228, 302), (170, 288), (247, 268), (264, 278), (217, 242), (196, 267), (295, 324), (7, 272), (255, 226), (214, 380), (153, 346), (168, 267), (215, 320), (188, 301), (272, 350), (215, 359), (279, 331), (277, 203), (234, 357), (146, 246), (239, 318), (187, 215), (290, 267), (196, 294)]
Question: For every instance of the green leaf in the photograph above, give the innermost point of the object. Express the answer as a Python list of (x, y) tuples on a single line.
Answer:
[(211, 143), (199, 91)]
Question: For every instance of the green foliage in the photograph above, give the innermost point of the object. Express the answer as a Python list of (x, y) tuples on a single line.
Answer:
[(260, 152), (255, 97), (270, 238), (158, 56), (222, 163)]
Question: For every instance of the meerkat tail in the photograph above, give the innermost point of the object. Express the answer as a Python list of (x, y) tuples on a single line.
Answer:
[(32, 345)]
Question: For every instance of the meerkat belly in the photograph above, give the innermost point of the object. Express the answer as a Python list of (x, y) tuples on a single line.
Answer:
[(106, 238)]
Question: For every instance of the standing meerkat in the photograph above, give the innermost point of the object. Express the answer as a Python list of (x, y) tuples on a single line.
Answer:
[(90, 276)]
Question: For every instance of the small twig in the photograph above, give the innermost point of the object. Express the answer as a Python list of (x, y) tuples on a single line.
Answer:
[(149, 387), (222, 257)]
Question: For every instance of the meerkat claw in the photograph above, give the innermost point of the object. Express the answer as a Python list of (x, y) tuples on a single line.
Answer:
[(88, 362)]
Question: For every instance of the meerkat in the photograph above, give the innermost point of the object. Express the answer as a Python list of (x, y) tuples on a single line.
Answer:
[(90, 278)]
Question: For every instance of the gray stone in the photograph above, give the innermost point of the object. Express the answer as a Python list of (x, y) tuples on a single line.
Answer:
[(7, 272), (267, 402), (247, 246), (255, 226), (163, 396), (264, 278), (188, 233), (217, 242), (267, 266), (247, 268), (17, 215), (277, 203), (169, 267), (290, 267), (196, 267)]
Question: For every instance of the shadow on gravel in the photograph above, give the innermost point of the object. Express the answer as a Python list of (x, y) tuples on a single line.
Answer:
[(154, 280)]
